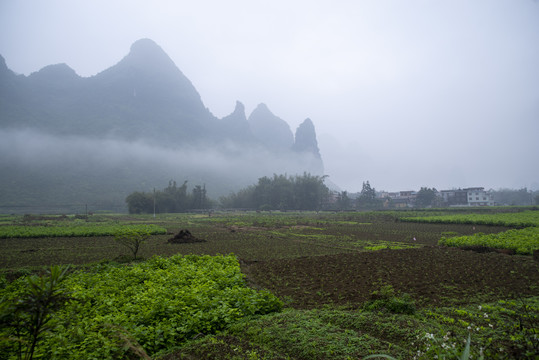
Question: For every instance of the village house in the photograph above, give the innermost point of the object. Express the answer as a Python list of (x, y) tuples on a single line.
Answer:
[(455, 197), (477, 196), (399, 199)]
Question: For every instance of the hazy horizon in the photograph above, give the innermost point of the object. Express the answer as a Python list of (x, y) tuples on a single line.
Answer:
[(403, 95)]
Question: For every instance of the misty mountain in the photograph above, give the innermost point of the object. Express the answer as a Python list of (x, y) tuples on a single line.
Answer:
[(131, 127), (236, 127), (306, 139), (143, 96), (272, 131)]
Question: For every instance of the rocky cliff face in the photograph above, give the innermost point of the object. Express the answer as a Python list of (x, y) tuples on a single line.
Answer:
[(271, 130), (236, 127), (305, 140), (306, 145)]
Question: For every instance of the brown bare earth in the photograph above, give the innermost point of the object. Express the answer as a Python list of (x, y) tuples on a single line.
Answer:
[(433, 276)]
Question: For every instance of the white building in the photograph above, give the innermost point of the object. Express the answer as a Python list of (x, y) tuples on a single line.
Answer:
[(479, 197)]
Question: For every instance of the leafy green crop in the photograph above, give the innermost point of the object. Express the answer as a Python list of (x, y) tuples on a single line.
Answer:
[(523, 241), (148, 306), (73, 230), (520, 219)]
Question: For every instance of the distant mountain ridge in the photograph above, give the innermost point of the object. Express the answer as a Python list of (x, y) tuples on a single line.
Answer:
[(143, 99), (144, 96)]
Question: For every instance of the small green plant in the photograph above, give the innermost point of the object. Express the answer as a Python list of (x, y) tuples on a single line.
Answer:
[(132, 238), (387, 298), (464, 356), (26, 318)]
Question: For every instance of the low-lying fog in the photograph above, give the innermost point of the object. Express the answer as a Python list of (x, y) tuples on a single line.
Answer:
[(53, 165)]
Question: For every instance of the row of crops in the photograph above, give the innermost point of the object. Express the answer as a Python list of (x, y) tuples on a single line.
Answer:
[(73, 230), (114, 312), (513, 219), (521, 241)]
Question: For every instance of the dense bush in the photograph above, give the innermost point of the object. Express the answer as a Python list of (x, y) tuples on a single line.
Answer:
[(388, 299)]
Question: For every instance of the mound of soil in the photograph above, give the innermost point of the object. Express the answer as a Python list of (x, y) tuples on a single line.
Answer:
[(184, 237)]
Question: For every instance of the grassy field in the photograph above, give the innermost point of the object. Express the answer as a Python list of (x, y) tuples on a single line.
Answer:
[(352, 284)]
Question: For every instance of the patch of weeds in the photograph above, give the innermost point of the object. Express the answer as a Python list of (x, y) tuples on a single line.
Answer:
[(448, 352), (220, 347), (398, 329), (503, 329), (11, 275), (307, 334), (389, 300)]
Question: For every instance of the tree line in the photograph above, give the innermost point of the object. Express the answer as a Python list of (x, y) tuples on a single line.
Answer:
[(280, 192), (366, 200), (299, 192), (172, 199)]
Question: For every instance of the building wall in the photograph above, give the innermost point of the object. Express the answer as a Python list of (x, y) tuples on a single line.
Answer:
[(479, 197), (454, 197)]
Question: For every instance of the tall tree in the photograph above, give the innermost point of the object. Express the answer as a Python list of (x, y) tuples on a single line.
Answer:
[(139, 202), (199, 197), (263, 192), (426, 197), (367, 197), (343, 201), (513, 197)]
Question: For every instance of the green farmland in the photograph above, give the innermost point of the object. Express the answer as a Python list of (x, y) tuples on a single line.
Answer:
[(278, 285)]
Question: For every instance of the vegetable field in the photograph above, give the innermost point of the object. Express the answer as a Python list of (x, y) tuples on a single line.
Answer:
[(156, 304), (512, 219), (286, 285), (77, 230), (521, 241)]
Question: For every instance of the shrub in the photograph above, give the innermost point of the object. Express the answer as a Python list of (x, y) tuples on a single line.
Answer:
[(387, 299), (26, 318), (132, 238)]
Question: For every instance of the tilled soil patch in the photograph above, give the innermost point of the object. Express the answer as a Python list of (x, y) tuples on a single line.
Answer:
[(433, 276)]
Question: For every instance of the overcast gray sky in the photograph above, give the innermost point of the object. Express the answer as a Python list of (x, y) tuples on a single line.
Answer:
[(403, 93)]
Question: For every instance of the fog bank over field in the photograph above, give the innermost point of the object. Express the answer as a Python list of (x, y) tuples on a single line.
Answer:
[(442, 162), (48, 168), (31, 148)]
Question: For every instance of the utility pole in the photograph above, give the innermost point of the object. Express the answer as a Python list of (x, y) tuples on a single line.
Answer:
[(154, 203)]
